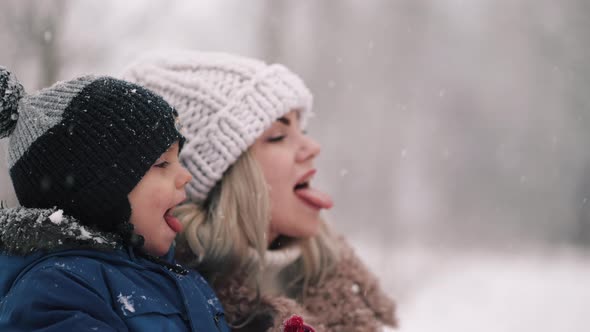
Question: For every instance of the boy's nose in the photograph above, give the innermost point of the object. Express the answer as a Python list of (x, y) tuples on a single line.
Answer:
[(183, 177)]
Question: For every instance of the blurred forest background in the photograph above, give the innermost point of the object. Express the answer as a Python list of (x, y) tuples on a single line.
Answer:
[(454, 132)]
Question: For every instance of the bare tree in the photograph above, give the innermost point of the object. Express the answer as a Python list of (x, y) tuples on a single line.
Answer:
[(579, 81)]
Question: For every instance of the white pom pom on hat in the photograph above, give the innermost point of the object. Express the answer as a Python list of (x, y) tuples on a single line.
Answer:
[(11, 92)]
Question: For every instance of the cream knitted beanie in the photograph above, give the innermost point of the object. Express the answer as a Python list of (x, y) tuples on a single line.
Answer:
[(224, 101)]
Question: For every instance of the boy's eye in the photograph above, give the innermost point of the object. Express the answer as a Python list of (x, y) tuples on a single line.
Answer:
[(276, 138), (163, 164)]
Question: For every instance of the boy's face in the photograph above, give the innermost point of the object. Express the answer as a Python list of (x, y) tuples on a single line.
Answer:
[(160, 189)]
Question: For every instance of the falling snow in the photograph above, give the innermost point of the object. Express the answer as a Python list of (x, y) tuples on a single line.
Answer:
[(47, 36)]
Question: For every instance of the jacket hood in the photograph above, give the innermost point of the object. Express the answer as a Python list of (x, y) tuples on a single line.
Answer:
[(26, 230)]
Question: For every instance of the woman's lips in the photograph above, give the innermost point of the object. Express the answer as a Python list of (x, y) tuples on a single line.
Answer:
[(306, 177), (173, 222)]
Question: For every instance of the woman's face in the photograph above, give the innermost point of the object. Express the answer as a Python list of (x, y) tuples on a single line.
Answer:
[(286, 156)]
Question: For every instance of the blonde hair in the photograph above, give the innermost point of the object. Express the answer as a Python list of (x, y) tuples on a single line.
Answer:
[(227, 233)]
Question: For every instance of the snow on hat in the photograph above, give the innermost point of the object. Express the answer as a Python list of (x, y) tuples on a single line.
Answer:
[(83, 145), (225, 102)]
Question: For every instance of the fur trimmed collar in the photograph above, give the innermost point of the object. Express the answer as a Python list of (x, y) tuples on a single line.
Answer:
[(25, 230)]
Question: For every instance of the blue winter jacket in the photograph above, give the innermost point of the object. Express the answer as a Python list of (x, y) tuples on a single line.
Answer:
[(61, 276)]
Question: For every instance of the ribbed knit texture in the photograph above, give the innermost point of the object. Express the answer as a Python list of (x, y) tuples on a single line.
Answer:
[(274, 262), (225, 102), (45, 111)]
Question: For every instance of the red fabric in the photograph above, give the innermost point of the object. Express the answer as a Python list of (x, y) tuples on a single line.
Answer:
[(295, 324)]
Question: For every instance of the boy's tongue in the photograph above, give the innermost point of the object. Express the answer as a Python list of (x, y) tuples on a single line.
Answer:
[(173, 222), (315, 197)]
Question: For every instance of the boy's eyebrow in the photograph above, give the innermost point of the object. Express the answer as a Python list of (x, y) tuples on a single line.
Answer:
[(284, 121)]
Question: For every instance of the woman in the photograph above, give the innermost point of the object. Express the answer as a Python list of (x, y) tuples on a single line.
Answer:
[(253, 224)]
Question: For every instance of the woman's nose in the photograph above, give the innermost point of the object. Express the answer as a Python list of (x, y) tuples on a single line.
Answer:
[(309, 149)]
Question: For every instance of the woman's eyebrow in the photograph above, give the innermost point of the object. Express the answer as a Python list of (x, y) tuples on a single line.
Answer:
[(284, 121)]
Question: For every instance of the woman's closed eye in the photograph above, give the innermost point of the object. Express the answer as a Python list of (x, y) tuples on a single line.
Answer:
[(276, 138)]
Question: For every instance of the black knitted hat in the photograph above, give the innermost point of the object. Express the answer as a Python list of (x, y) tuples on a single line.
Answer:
[(84, 144)]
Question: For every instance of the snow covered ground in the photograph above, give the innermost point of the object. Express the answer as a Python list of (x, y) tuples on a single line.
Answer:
[(473, 290)]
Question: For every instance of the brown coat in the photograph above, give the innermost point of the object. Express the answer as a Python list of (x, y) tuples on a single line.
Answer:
[(348, 300)]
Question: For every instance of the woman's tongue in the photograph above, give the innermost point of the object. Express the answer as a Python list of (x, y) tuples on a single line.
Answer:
[(315, 197), (173, 222)]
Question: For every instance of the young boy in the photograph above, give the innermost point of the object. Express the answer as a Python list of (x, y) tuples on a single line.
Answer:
[(94, 163)]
